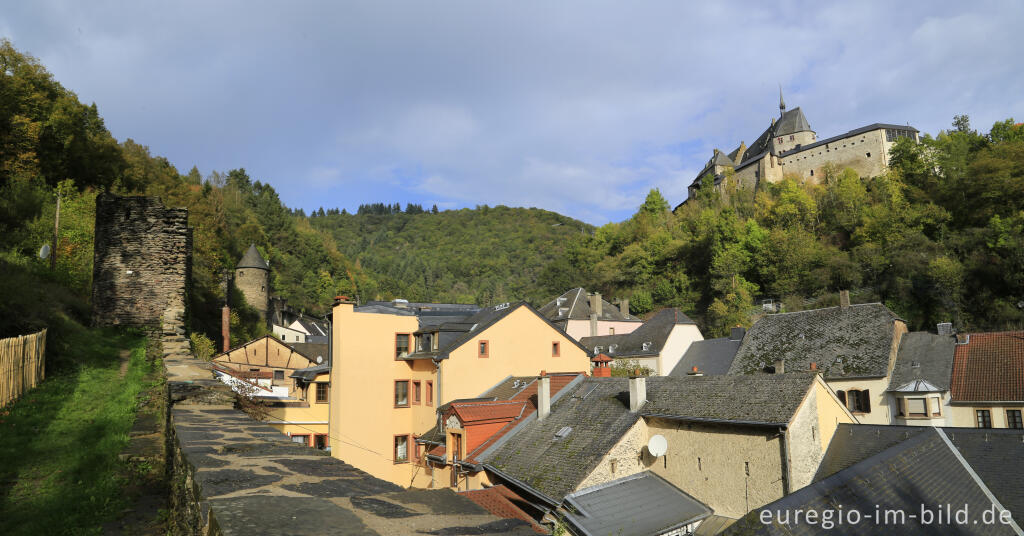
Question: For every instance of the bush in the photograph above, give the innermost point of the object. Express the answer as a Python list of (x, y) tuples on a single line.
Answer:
[(202, 346)]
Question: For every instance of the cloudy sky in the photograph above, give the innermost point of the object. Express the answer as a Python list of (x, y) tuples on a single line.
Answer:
[(577, 107)]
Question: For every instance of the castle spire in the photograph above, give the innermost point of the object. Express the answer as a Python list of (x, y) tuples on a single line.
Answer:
[(782, 103)]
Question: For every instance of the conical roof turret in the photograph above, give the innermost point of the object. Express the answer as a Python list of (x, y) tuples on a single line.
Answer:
[(253, 259)]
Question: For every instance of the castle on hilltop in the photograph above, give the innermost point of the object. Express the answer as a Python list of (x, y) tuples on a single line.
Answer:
[(789, 147)]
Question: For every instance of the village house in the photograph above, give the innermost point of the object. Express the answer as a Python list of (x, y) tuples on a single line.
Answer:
[(731, 443), (658, 344), (904, 470), (269, 359), (393, 365), (854, 347), (302, 330), (919, 384), (581, 314), (988, 380)]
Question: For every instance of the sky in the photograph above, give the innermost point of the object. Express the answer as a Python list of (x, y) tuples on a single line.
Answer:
[(580, 107)]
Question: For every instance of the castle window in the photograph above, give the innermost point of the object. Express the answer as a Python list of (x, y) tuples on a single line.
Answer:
[(792, 137), (812, 172), (867, 155), (263, 288)]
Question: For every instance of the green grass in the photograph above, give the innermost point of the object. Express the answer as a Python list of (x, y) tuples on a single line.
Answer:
[(59, 444)]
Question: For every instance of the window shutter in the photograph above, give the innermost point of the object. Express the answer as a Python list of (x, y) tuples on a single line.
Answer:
[(866, 400)]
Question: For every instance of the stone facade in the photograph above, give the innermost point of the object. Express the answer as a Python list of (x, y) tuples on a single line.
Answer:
[(142, 263), (252, 278)]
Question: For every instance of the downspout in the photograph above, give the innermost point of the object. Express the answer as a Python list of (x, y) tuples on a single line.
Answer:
[(437, 394), (786, 462)]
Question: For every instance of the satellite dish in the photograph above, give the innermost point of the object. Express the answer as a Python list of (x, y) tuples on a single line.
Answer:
[(657, 445), (319, 359), (44, 252)]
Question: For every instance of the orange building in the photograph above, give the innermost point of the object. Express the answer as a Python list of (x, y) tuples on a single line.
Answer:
[(393, 367)]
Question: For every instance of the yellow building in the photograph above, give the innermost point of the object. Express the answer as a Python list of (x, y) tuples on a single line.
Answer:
[(304, 415), (392, 368)]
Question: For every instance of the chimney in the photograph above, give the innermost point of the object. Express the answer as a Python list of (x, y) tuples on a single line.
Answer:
[(543, 397), (601, 369), (637, 392), (814, 366), (695, 372), (593, 324), (595, 303), (780, 366), (624, 307), (844, 299), (945, 328), (737, 333), (225, 326)]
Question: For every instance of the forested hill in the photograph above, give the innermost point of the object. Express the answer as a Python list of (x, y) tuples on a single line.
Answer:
[(485, 255)]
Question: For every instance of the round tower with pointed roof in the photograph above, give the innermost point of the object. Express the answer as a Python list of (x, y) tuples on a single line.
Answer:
[(252, 277)]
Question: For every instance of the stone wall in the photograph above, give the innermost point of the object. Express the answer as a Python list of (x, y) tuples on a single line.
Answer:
[(253, 283), (142, 263), (866, 153)]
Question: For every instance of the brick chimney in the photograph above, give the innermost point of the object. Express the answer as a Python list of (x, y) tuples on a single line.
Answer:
[(695, 372), (543, 397), (225, 326), (737, 333), (814, 367), (844, 299), (637, 392), (601, 366)]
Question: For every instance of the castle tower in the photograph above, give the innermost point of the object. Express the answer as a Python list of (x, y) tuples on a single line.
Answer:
[(252, 277)]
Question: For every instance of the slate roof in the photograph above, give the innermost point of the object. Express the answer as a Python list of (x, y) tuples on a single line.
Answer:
[(310, 374), (636, 505), (654, 331), (312, 327), (986, 450), (850, 134), (597, 411), (989, 367), (253, 259), (844, 342), (710, 356), (791, 122), (576, 303), (923, 356), (922, 470), (312, 350)]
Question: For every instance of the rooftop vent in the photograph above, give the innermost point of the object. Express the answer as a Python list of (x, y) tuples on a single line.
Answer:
[(501, 306), (612, 348), (646, 346), (560, 300), (515, 384), (562, 311)]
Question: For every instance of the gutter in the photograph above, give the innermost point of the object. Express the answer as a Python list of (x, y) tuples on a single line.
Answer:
[(780, 425)]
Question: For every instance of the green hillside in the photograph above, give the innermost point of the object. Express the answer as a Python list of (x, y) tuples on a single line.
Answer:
[(485, 255)]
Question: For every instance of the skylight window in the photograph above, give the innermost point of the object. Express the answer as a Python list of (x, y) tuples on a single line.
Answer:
[(563, 432)]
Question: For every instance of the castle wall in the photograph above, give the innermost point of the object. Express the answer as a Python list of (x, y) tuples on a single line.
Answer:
[(142, 261), (866, 153)]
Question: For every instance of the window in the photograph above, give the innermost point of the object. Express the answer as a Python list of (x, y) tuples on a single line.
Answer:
[(1013, 419), (555, 349), (916, 407), (301, 439), (323, 391), (792, 137), (401, 345), (867, 155), (812, 172), (278, 374), (320, 441), (484, 349), (858, 401), (611, 331), (430, 392), (401, 393), (984, 418), (614, 465), (416, 392), (936, 406), (401, 449), (284, 337)]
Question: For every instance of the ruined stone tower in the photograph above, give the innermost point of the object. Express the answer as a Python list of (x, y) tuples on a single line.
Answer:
[(141, 264), (252, 277)]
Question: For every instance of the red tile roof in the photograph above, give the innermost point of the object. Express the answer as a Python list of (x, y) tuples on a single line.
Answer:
[(989, 368), (470, 412), (501, 502)]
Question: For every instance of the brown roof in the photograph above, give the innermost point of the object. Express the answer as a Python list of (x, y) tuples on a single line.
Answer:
[(501, 502), (989, 368), (469, 412)]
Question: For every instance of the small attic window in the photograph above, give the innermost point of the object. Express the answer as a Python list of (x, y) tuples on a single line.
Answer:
[(563, 432), (612, 348), (560, 301), (597, 349), (562, 311), (646, 346)]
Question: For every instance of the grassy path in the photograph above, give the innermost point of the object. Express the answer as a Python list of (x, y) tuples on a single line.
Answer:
[(59, 444)]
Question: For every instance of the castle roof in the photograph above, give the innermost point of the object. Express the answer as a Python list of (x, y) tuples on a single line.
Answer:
[(791, 122), (253, 259)]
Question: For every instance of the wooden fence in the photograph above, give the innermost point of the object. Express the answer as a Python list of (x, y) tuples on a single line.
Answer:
[(22, 365)]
